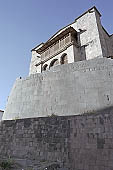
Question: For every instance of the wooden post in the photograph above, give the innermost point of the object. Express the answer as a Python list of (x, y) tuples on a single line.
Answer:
[(70, 39)]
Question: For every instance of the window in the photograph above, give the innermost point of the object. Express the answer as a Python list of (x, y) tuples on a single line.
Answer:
[(54, 62), (44, 67), (64, 59)]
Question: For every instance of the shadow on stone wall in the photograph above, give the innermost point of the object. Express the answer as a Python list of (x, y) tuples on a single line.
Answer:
[(83, 142), (82, 48)]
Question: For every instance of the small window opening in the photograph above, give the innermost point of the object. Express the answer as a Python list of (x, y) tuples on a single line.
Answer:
[(64, 59)]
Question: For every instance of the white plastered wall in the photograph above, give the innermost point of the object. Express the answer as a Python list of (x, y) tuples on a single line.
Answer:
[(70, 54), (89, 36), (89, 41), (34, 60)]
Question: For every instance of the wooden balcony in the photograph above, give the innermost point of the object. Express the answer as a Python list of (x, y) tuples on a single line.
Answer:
[(56, 45)]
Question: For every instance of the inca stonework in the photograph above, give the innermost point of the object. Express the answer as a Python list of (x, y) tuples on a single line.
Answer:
[(73, 142), (61, 115), (70, 89), (69, 74)]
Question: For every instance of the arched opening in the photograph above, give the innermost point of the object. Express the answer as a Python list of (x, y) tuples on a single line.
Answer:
[(44, 67), (54, 62), (64, 59)]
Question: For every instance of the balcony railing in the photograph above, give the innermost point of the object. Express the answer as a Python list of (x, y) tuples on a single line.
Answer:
[(57, 46)]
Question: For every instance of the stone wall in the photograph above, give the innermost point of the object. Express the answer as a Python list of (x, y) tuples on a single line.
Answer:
[(35, 141), (73, 89), (83, 142), (34, 60), (88, 31), (111, 38), (108, 44), (91, 139)]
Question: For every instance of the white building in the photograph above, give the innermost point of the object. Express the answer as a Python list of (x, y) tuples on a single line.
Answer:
[(1, 114), (83, 39), (80, 83)]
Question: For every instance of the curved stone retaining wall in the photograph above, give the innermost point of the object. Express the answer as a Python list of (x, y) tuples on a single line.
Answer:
[(73, 89)]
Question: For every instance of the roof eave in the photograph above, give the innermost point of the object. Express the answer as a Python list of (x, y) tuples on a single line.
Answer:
[(48, 43), (34, 49)]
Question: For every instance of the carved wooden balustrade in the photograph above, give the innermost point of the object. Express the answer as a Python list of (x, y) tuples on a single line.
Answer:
[(57, 44)]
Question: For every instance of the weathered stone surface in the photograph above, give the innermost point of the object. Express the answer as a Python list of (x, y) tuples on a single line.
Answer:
[(69, 89), (83, 142)]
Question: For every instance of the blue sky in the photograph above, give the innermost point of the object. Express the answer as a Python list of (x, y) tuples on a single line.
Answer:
[(26, 23)]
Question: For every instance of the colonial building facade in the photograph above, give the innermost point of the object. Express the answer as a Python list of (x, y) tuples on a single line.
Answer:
[(62, 119), (79, 77), (83, 39)]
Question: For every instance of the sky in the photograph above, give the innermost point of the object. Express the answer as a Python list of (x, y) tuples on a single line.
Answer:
[(26, 23)]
